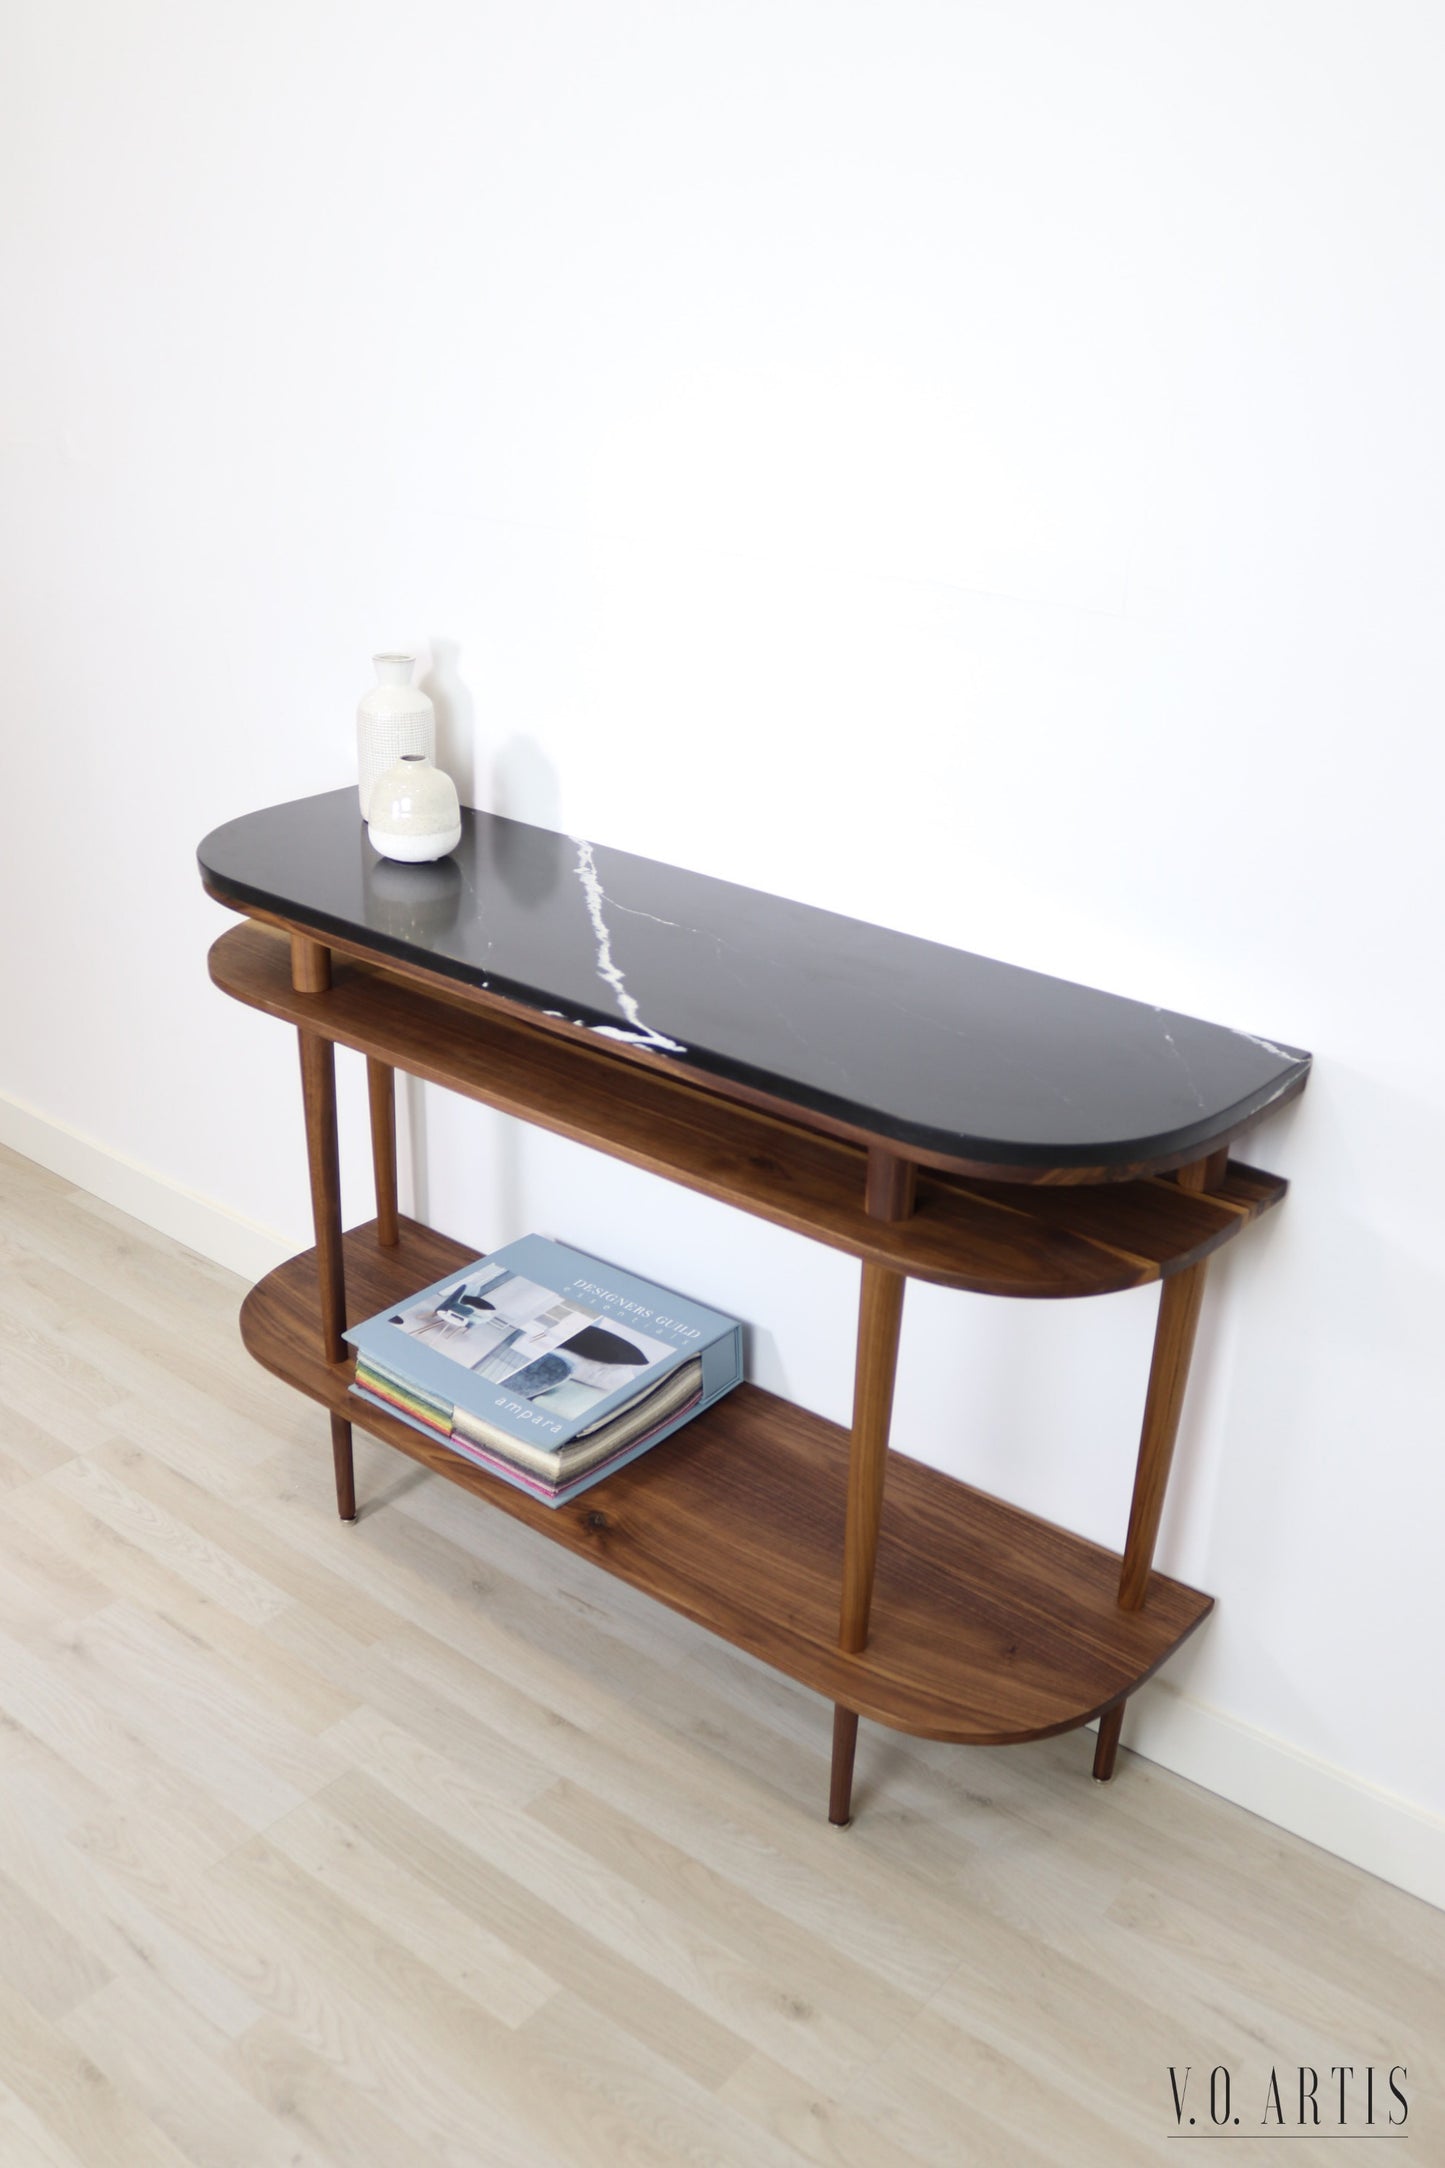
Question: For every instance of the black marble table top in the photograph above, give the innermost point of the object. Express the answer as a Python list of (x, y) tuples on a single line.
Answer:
[(961, 1057)]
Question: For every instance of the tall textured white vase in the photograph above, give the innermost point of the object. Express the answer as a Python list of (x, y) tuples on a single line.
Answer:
[(395, 717)]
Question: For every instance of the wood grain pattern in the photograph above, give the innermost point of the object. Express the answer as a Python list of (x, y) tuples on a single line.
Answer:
[(880, 1316), (310, 965), (318, 1097), (1204, 1174), (988, 1625), (890, 1195), (381, 1105), (891, 1189), (991, 1237), (1179, 1304), (310, 970)]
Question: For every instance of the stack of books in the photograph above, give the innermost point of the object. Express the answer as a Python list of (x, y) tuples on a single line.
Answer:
[(546, 1366)]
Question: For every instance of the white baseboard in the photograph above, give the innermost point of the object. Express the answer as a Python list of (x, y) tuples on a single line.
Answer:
[(1378, 1830), (202, 1225), (1402, 1843)]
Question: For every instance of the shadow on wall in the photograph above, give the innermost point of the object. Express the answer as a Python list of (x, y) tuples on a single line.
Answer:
[(524, 787), (456, 716), (524, 783)]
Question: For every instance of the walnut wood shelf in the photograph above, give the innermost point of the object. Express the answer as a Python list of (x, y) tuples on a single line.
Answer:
[(935, 1114), (989, 1625), (994, 1238)]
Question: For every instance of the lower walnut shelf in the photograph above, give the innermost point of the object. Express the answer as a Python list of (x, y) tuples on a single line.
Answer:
[(989, 1625)]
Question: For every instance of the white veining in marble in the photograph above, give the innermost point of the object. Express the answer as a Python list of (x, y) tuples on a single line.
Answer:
[(1268, 1046), (1177, 1051), (633, 912), (640, 1034), (469, 890)]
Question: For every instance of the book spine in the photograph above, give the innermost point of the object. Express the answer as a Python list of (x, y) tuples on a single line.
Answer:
[(422, 1413), (682, 1389), (565, 1492), (521, 1481)]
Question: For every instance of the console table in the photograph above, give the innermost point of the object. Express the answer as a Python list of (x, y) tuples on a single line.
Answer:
[(935, 1114)]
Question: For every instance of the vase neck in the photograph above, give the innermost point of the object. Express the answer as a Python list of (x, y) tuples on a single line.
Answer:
[(394, 669)]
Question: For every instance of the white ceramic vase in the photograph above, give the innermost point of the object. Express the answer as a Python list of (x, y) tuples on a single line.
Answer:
[(415, 812), (395, 717)]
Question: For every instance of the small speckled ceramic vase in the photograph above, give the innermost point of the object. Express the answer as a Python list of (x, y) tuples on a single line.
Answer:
[(415, 812)]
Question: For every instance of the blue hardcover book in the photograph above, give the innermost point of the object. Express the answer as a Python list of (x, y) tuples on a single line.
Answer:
[(546, 1365)]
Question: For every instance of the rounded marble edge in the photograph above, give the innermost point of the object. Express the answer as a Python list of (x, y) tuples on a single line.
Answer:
[(1133, 1156)]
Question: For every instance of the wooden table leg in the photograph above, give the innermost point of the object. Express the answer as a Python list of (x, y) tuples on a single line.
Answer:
[(880, 1315), (845, 1740), (1106, 1746), (311, 974), (381, 1096), (1179, 1302), (344, 1467)]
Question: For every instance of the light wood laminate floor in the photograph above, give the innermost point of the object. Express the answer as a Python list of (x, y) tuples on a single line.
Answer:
[(418, 1841)]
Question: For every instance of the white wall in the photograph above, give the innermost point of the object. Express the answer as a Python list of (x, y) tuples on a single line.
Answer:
[(974, 466)]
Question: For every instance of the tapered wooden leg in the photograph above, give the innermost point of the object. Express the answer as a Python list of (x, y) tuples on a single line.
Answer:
[(381, 1093), (311, 973), (889, 1196), (345, 1472), (318, 1093), (845, 1740), (880, 1315), (1179, 1301), (1106, 1747)]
